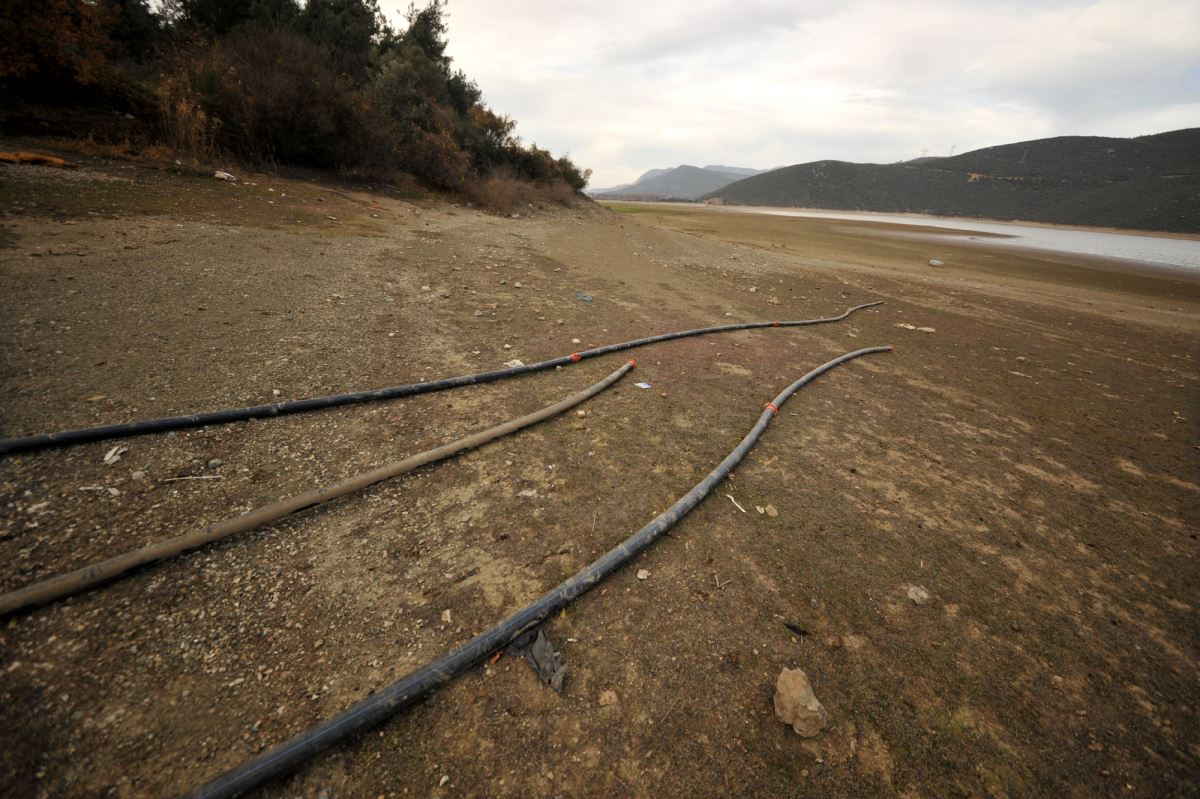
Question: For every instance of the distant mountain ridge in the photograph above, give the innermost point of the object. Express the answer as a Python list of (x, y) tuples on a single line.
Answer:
[(1147, 183), (684, 182)]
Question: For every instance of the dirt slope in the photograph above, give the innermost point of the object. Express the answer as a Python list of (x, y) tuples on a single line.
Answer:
[(1031, 464)]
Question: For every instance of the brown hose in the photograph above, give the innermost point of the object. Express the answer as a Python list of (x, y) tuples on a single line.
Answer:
[(62, 585)]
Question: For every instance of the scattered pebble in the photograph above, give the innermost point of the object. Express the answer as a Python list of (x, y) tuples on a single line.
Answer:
[(918, 594), (643, 574), (576, 341), (446, 615), (608, 698), (771, 511), (797, 705), (215, 463), (138, 475)]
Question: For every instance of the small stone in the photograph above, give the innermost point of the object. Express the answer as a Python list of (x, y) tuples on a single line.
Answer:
[(608, 698), (517, 285), (275, 392), (215, 463), (138, 475), (771, 511), (576, 341), (446, 615), (760, 509), (926, 330), (795, 704), (643, 574), (753, 289), (581, 413), (477, 312), (424, 288), (918, 594), (508, 346), (558, 322)]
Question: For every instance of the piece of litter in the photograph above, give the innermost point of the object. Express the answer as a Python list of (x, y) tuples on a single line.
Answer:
[(219, 175), (583, 296), (643, 385), (771, 511), (514, 363), (542, 658), (643, 574), (114, 454), (445, 779), (906, 326), (197, 477), (760, 509), (926, 330), (114, 492), (735, 503), (936, 262)]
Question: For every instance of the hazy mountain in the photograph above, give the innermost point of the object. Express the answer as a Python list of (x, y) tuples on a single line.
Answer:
[(681, 183), (1148, 182)]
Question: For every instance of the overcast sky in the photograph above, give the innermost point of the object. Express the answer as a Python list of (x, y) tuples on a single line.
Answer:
[(629, 85)]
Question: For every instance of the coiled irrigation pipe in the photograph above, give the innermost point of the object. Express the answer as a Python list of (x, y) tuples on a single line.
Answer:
[(291, 754), (9, 446), (73, 582)]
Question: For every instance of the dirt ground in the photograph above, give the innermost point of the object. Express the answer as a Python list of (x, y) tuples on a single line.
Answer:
[(1031, 464)]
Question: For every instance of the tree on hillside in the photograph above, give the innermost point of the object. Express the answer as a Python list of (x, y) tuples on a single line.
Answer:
[(216, 18), (349, 30)]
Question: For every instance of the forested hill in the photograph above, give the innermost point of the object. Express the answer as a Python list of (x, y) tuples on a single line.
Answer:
[(1148, 183)]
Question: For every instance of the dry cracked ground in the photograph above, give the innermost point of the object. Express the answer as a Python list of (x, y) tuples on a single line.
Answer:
[(985, 553)]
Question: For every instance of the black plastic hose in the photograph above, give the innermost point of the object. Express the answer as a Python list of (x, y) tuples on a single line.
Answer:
[(291, 754), (65, 438)]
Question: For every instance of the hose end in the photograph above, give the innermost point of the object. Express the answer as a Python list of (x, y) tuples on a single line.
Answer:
[(890, 347), (633, 363)]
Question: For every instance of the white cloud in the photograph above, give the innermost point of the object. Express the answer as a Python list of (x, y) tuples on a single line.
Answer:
[(625, 86)]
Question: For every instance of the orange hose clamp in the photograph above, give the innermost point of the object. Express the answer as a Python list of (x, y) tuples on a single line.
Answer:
[(576, 357), (774, 408)]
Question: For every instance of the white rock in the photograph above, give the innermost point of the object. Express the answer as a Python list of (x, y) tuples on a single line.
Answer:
[(643, 574), (918, 594)]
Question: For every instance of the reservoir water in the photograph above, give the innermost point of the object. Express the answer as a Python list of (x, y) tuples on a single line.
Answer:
[(1159, 250)]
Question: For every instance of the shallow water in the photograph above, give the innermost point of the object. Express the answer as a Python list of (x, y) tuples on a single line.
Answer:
[(1160, 250)]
